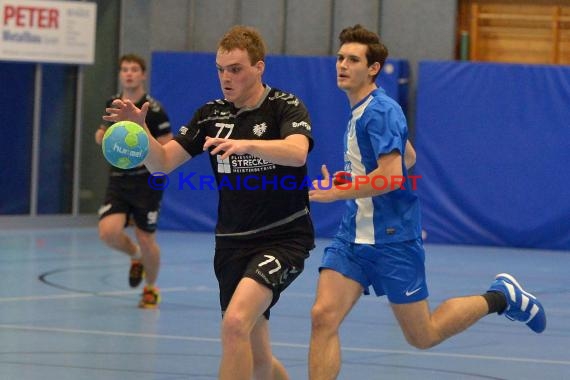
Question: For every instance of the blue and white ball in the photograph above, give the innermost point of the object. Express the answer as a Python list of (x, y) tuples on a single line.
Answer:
[(125, 144)]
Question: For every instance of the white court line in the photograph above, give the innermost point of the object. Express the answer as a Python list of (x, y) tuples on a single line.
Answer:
[(84, 295), (106, 333), (290, 345), (199, 288)]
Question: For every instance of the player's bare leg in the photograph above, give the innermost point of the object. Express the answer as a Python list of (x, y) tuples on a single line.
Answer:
[(336, 295), (423, 329), (150, 255), (112, 233), (242, 354), (265, 365)]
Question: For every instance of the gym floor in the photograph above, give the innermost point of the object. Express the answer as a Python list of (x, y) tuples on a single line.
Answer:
[(67, 312)]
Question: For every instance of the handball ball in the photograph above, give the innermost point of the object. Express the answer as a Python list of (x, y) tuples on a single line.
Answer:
[(125, 144)]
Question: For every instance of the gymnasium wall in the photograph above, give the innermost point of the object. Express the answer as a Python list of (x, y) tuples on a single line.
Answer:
[(16, 147), (292, 27), (412, 29), (56, 110), (492, 144), (493, 147), (55, 139)]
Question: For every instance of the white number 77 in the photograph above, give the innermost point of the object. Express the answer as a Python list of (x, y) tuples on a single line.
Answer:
[(270, 259), (223, 126)]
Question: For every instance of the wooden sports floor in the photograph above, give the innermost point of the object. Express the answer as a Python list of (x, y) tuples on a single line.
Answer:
[(67, 312)]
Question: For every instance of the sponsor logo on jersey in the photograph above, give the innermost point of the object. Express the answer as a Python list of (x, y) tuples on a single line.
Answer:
[(289, 98), (224, 165), (302, 124), (259, 129), (246, 163)]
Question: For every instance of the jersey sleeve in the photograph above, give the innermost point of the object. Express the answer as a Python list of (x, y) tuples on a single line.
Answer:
[(157, 120), (295, 120), (191, 136), (387, 130)]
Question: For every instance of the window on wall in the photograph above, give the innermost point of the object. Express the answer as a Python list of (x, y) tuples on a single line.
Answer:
[(518, 31)]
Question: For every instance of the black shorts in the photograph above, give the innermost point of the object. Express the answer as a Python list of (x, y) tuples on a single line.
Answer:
[(274, 266), (132, 195)]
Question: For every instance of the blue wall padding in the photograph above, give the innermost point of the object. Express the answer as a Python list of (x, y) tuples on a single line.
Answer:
[(493, 146), (185, 81), (17, 99)]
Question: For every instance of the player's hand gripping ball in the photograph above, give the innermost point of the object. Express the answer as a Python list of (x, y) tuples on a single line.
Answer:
[(125, 144)]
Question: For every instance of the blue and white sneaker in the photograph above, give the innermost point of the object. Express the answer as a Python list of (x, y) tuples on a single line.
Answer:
[(521, 306)]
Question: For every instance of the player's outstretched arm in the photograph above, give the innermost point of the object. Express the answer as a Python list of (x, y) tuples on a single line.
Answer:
[(385, 178), (160, 158), (290, 151)]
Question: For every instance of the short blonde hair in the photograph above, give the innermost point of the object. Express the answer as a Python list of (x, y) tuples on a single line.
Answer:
[(244, 38)]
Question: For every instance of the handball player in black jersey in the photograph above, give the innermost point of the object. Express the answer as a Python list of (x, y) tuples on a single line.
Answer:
[(128, 194), (258, 139)]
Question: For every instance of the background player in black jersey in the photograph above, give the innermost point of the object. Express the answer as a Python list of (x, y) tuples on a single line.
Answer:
[(128, 193), (264, 232)]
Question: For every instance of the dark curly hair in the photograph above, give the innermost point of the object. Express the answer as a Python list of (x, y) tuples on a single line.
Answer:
[(376, 51)]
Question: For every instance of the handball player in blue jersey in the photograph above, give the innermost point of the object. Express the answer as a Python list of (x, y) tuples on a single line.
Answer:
[(379, 241)]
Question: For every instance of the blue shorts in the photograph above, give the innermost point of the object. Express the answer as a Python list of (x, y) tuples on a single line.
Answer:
[(396, 270)]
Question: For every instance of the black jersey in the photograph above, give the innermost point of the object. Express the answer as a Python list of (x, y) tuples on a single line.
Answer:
[(257, 198), (157, 122)]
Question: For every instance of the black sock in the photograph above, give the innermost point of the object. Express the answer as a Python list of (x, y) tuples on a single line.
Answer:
[(496, 300)]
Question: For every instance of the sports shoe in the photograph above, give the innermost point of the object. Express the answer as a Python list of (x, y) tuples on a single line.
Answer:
[(150, 298), (136, 273), (521, 306)]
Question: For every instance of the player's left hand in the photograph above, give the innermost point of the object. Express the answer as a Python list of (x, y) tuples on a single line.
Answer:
[(125, 110), (227, 146)]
